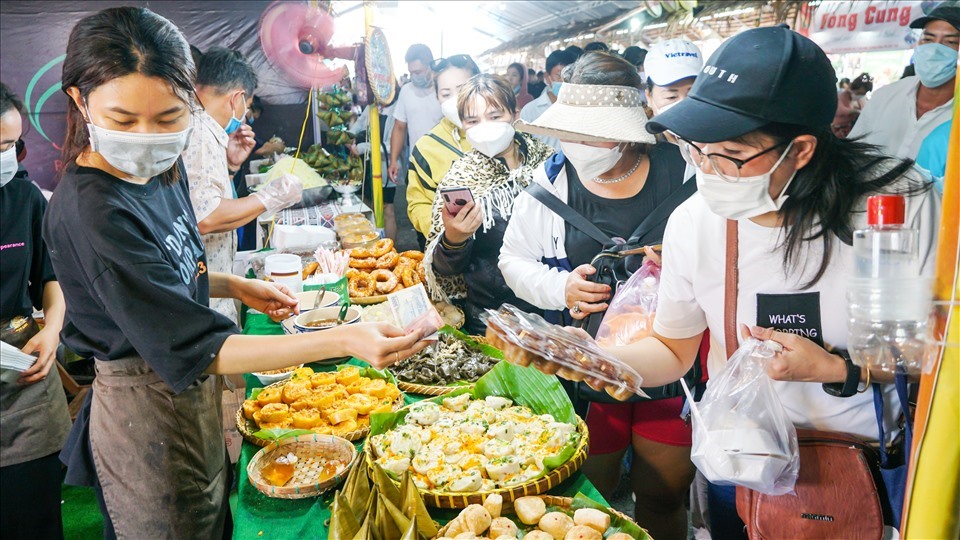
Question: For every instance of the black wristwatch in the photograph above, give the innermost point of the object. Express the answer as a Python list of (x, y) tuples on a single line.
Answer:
[(850, 386)]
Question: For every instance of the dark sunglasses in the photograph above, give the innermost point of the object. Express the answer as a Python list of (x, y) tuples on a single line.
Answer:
[(460, 61)]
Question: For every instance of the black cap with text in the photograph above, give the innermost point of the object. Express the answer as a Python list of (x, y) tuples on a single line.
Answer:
[(944, 12), (759, 76)]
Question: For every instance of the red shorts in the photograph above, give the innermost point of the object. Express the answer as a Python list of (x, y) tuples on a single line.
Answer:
[(611, 425)]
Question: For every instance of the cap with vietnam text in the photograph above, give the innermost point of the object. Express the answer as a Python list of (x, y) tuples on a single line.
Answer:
[(759, 76)]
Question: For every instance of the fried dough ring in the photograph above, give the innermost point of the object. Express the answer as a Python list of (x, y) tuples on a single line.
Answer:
[(409, 276), (413, 254), (388, 260), (352, 273), (361, 253), (362, 286), (382, 247), (367, 263), (385, 280)]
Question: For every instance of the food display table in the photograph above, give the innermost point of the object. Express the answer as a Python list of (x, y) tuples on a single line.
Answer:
[(258, 516)]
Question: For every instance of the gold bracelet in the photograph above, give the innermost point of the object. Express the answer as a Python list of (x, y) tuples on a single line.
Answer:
[(866, 383)]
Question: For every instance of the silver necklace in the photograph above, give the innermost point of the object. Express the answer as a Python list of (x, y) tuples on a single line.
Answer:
[(620, 178)]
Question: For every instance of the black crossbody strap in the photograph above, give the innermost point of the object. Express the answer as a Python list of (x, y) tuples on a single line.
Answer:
[(452, 148), (662, 212), (568, 214)]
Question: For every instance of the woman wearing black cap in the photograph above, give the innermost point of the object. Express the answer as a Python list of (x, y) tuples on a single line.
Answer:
[(756, 125)]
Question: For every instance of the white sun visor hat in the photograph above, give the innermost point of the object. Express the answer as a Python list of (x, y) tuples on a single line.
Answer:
[(669, 61)]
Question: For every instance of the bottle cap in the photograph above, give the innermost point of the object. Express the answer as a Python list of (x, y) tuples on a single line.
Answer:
[(884, 210)]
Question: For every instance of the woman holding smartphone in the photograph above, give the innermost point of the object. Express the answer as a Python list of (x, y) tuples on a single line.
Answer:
[(466, 239), (123, 236)]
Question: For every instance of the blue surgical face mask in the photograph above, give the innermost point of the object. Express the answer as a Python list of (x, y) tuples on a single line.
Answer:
[(555, 88), (235, 123), (935, 63), (516, 90)]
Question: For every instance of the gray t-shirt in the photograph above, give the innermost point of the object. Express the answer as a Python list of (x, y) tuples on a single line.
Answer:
[(419, 108)]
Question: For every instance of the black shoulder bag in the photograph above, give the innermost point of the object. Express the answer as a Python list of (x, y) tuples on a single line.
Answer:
[(615, 264)]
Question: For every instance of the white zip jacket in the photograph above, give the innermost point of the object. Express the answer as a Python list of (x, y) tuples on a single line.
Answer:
[(533, 259)]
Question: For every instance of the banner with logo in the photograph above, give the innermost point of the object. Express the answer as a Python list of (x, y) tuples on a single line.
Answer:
[(846, 27)]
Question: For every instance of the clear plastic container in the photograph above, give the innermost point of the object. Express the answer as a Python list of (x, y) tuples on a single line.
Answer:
[(889, 302)]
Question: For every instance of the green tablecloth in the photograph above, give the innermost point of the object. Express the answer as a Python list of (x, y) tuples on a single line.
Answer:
[(258, 516)]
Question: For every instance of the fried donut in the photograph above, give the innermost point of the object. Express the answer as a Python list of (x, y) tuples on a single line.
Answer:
[(399, 287), (382, 247), (352, 273), (421, 272), (409, 276), (310, 269), (361, 253), (368, 263), (413, 254), (388, 260), (361, 286), (386, 280)]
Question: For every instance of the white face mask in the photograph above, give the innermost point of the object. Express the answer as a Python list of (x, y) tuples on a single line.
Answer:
[(449, 110), (747, 198), (143, 155), (491, 138), (590, 161), (665, 108), (8, 165)]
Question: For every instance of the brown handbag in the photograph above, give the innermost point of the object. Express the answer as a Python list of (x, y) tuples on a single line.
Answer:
[(836, 492)]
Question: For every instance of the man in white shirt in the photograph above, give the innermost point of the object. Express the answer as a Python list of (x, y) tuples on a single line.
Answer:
[(899, 116), (219, 145), (417, 110), (556, 61)]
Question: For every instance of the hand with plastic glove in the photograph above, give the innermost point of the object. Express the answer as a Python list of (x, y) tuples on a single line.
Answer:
[(283, 192)]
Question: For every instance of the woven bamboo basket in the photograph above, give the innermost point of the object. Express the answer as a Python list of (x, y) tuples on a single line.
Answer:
[(248, 427), (368, 300), (311, 452), (537, 486), (425, 390), (549, 500)]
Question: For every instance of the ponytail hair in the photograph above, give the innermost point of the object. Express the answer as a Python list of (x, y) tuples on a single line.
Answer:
[(824, 195)]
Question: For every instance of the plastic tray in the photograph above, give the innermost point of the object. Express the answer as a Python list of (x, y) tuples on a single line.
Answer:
[(527, 339)]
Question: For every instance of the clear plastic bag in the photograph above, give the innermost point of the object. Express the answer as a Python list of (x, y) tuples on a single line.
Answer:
[(741, 434), (526, 339), (630, 315)]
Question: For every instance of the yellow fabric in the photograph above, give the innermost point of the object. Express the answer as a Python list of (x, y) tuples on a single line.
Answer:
[(933, 488), (422, 182)]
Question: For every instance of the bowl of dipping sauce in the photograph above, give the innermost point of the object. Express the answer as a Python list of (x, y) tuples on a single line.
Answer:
[(309, 298), (324, 318)]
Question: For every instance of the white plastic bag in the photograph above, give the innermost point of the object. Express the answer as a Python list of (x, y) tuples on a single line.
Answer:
[(741, 434)]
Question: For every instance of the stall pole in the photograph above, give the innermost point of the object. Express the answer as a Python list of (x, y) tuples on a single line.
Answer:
[(376, 159)]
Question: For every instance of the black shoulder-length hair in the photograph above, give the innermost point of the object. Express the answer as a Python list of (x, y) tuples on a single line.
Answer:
[(825, 194), (116, 42)]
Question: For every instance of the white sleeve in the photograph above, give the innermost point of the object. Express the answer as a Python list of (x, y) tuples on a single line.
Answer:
[(529, 112), (926, 219), (206, 165), (679, 315), (520, 259)]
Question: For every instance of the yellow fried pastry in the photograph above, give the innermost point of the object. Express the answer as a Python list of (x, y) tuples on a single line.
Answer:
[(302, 373), (250, 406), (274, 412), (348, 375), (341, 415), (295, 390), (376, 388), (270, 395), (323, 379), (344, 427), (277, 425), (384, 406), (358, 386), (362, 403), (392, 392), (306, 419)]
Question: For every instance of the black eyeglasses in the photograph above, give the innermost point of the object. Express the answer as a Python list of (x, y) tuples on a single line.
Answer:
[(460, 61), (726, 167)]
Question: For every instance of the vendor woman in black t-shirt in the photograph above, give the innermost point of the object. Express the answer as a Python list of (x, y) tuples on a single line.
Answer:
[(124, 240), (33, 410)]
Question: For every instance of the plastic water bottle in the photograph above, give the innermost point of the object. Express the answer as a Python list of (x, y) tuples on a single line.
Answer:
[(889, 302)]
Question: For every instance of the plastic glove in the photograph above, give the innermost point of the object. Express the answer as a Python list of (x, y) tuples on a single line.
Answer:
[(363, 148), (283, 192)]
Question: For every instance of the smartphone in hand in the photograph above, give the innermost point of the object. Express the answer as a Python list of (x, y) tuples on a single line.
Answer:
[(455, 198)]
